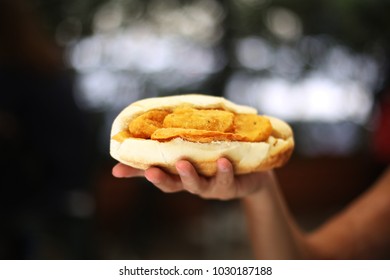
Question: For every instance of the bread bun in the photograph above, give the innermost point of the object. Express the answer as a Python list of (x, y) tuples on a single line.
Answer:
[(246, 157)]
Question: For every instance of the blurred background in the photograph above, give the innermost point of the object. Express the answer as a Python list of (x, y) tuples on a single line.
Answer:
[(68, 67)]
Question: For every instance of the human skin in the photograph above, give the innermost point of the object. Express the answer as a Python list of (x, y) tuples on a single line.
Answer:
[(360, 231)]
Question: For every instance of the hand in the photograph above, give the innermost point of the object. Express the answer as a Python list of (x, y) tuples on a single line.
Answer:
[(224, 185)]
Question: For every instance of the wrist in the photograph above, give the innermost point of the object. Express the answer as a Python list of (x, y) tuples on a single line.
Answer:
[(260, 183)]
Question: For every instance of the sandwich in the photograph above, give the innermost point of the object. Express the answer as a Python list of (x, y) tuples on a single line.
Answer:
[(199, 128)]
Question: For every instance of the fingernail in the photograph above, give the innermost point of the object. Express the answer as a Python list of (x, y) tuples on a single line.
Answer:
[(224, 165), (223, 168), (151, 179), (182, 172)]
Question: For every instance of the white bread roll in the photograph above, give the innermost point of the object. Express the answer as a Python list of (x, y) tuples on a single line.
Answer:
[(246, 157)]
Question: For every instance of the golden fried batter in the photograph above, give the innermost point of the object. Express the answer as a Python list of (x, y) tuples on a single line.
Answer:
[(253, 128), (191, 118), (144, 125), (198, 125)]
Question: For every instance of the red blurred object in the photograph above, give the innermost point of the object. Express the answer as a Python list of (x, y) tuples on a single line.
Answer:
[(382, 130)]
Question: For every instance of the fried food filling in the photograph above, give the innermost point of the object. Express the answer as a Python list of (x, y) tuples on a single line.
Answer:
[(197, 125)]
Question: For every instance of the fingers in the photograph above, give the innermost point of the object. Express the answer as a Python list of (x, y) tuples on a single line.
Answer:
[(221, 186), (123, 171), (224, 186), (225, 174), (165, 182), (162, 180), (189, 177)]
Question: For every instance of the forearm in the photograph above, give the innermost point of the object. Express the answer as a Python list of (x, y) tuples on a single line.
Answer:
[(273, 232), (360, 231)]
